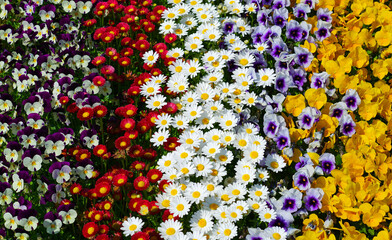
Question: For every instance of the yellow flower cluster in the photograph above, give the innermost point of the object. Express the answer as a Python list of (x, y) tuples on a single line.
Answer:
[(357, 56)]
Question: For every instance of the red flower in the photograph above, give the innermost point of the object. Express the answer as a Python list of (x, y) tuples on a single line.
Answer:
[(133, 91), (98, 60), (120, 180), (98, 33), (64, 100), (140, 236), (154, 175), (119, 8), (122, 143), (144, 22), (168, 215), (107, 37), (138, 166), (99, 80), (100, 150), (163, 185), (102, 189), (150, 27), (136, 151), (169, 61), (128, 18), (75, 188), (123, 27), (145, 3), (170, 108), (171, 144), (133, 203), (102, 6), (100, 111), (149, 154), (89, 22), (112, 3), (130, 9), (160, 47), (125, 41), (141, 183), (103, 229), (110, 51), (96, 216), (126, 52), (107, 69), (154, 208), (144, 125), (135, 27), (141, 36), (153, 17), (143, 207), (152, 117), (132, 134), (85, 114), (90, 229), (124, 61), (127, 124), (106, 205), (82, 155), (72, 108), (102, 237), (115, 57), (142, 45), (159, 9), (170, 38)]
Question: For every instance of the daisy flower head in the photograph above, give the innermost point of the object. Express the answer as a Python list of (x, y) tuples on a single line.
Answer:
[(163, 121), (167, 162), (193, 45), (228, 121), (150, 57), (213, 77), (175, 52), (211, 149), (237, 190), (266, 77), (203, 166), (262, 174), (245, 175), (193, 68), (193, 111), (244, 59), (227, 230), (159, 137), (179, 206), (195, 193), (267, 214), (181, 30), (178, 67), (258, 192), (170, 229), (178, 83), (276, 233), (132, 225), (275, 163), (261, 47), (180, 121), (168, 26), (202, 221), (150, 88), (156, 102), (189, 21), (170, 13)]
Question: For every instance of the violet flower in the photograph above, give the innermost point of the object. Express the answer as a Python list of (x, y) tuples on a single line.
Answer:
[(351, 99), (303, 57), (313, 199)]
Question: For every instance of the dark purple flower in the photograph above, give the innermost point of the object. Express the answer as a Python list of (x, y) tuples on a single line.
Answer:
[(290, 200), (351, 99), (311, 3), (280, 4), (301, 11), (272, 123), (307, 117), (298, 77), (279, 221), (323, 14), (262, 16), (283, 82), (294, 31), (313, 199), (347, 125), (301, 178), (274, 103), (229, 27), (327, 162), (319, 80), (278, 46), (280, 17), (303, 57), (323, 30), (303, 161), (283, 138), (337, 110)]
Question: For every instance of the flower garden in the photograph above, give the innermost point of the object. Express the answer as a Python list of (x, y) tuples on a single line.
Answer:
[(195, 119)]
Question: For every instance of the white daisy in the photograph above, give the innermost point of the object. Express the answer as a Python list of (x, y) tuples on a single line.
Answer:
[(202, 221), (159, 137), (170, 229), (179, 206), (156, 102), (275, 163), (131, 226), (150, 88), (150, 57), (266, 77)]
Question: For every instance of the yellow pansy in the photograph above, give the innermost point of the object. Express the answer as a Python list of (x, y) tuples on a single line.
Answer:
[(294, 104), (329, 124), (360, 57), (316, 97)]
